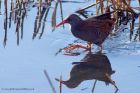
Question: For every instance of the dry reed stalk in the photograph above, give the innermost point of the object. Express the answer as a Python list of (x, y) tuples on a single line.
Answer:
[(16, 11), (123, 6), (10, 14), (128, 7), (18, 23), (129, 2), (40, 4), (35, 25), (118, 4), (40, 15), (97, 7), (0, 7), (60, 84), (107, 3), (139, 22), (49, 80), (54, 16), (83, 9), (131, 30), (22, 21), (94, 86), (94, 4), (44, 20), (113, 3), (61, 10), (13, 11), (139, 28), (40, 19), (133, 24), (5, 22), (102, 6)]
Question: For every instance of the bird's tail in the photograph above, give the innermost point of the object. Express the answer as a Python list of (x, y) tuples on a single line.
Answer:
[(105, 16)]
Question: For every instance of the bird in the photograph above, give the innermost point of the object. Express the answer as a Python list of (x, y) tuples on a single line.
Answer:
[(92, 66), (94, 30)]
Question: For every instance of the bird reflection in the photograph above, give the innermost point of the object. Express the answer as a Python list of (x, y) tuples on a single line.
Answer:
[(92, 66)]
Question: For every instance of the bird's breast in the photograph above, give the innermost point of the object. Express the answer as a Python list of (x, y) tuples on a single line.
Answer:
[(84, 35)]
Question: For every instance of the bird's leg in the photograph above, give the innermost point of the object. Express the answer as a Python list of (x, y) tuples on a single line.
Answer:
[(112, 82), (59, 80), (100, 48), (89, 46), (69, 49)]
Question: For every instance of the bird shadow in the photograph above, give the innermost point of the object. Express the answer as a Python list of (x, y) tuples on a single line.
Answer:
[(92, 66)]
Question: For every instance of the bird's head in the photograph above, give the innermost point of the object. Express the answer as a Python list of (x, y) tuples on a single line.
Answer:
[(71, 83), (72, 20)]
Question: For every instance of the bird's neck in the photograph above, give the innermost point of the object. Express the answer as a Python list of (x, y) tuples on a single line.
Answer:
[(75, 22), (75, 25)]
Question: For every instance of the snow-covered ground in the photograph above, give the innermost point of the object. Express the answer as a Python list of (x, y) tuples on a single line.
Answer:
[(22, 66)]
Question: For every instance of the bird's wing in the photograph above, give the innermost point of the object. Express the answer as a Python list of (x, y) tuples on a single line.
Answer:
[(96, 25), (97, 29)]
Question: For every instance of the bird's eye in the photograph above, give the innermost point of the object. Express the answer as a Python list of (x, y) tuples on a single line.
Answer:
[(68, 20)]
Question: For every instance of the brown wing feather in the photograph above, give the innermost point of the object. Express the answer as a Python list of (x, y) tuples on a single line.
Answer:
[(98, 29), (97, 25)]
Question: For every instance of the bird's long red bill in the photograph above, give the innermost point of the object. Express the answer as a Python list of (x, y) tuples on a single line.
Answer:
[(63, 22)]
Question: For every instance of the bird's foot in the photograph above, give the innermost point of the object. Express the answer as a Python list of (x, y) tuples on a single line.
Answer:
[(70, 48)]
